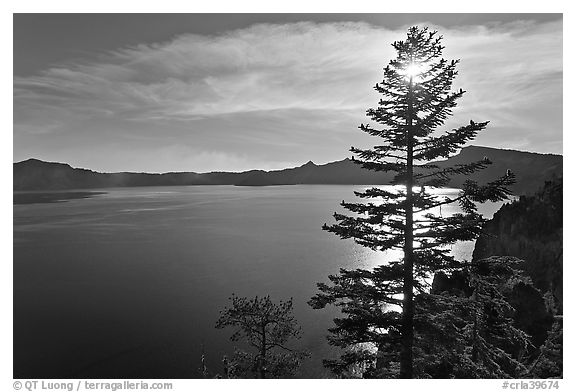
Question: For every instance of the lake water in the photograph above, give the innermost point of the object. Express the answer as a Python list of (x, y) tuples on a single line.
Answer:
[(129, 283)]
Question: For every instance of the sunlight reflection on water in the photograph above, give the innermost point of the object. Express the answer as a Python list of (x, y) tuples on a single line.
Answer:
[(130, 283)]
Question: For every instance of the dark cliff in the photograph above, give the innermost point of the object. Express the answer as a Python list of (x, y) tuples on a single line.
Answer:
[(530, 229)]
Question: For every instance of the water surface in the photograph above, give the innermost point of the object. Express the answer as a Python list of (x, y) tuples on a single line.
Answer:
[(128, 283)]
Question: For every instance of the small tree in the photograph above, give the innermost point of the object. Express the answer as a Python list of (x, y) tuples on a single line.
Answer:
[(267, 327), (379, 305)]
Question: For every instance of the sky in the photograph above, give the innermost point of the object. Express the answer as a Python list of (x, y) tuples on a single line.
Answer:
[(233, 92)]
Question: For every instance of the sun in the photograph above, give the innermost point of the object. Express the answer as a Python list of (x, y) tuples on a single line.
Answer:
[(413, 71)]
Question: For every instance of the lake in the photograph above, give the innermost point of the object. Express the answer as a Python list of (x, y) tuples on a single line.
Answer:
[(128, 283)]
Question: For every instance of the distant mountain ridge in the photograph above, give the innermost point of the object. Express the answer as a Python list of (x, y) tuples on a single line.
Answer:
[(531, 169)]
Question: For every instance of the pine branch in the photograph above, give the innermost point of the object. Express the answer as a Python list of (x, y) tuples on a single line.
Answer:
[(375, 154), (459, 169), (449, 143)]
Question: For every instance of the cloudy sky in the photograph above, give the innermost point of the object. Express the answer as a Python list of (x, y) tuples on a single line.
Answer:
[(205, 92)]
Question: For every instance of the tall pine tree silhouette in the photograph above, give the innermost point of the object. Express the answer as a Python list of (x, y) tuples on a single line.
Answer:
[(378, 305)]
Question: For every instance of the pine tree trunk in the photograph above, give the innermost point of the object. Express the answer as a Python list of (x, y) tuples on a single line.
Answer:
[(406, 359)]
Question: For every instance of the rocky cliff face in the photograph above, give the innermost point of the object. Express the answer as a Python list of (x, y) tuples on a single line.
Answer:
[(530, 229)]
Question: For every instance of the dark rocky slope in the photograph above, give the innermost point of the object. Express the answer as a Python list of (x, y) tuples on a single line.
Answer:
[(530, 229)]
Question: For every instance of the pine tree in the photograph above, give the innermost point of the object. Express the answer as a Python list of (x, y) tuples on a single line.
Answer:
[(267, 327), (379, 304)]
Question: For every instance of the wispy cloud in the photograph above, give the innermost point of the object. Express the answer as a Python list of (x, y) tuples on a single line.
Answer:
[(513, 73), (265, 67)]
